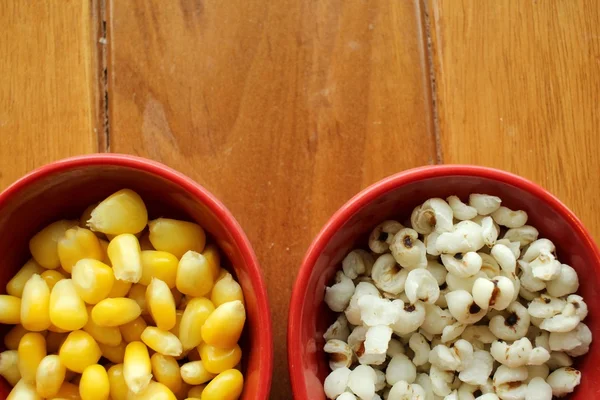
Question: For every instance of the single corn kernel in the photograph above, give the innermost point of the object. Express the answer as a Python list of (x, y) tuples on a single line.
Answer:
[(9, 366), (121, 212), (32, 349), (118, 387), (176, 236), (68, 391), (10, 310), (51, 277), (162, 342), (161, 304), (226, 290), (196, 392), (54, 340), (137, 369), (67, 309), (224, 326), (195, 373), (94, 383), (138, 294), (194, 275), (132, 331), (166, 371), (15, 286), (227, 385), (177, 296), (13, 337), (108, 335), (77, 244), (120, 288), (115, 312), (79, 351), (87, 214), (35, 305), (93, 280), (217, 360), (44, 245), (194, 317), (23, 391), (193, 354), (156, 391), (158, 264), (178, 316), (115, 354), (50, 376), (125, 256), (145, 242), (213, 258)]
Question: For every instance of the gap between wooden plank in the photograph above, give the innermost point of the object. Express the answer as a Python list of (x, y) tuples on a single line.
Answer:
[(100, 43)]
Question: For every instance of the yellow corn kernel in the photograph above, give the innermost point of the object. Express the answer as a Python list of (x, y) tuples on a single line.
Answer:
[(145, 242), (77, 244), (23, 391), (15, 286), (177, 296), (9, 366), (94, 383), (115, 312), (226, 290), (195, 315), (121, 212), (68, 391), (50, 376), (35, 305), (196, 392), (93, 280), (155, 391), (108, 335), (137, 369), (79, 351), (163, 342), (176, 236), (13, 337), (67, 309), (132, 331), (227, 385), (158, 264), (120, 288), (138, 294), (44, 245), (118, 387), (161, 304), (54, 340), (32, 349), (166, 371), (10, 310), (115, 354), (178, 316), (52, 276), (217, 360), (194, 276), (213, 258), (87, 214), (224, 326), (195, 373), (125, 256)]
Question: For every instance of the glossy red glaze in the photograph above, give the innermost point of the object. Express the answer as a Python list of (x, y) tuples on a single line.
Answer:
[(64, 188), (394, 198)]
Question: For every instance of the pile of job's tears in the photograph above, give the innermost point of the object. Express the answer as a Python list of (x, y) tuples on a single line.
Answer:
[(466, 303)]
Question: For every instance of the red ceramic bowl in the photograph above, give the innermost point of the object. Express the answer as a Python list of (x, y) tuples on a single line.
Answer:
[(64, 188), (394, 198)]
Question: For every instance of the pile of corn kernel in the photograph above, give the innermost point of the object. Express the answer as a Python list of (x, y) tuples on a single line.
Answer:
[(115, 307)]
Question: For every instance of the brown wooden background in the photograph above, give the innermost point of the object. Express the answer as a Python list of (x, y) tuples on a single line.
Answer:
[(285, 109)]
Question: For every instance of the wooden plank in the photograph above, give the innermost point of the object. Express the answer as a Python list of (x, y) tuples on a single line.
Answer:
[(518, 88), (283, 109), (48, 88)]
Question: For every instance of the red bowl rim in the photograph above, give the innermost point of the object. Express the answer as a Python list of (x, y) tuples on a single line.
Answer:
[(368, 195), (265, 341)]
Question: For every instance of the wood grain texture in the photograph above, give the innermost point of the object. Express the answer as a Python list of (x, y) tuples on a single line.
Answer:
[(518, 88), (282, 109), (48, 84)]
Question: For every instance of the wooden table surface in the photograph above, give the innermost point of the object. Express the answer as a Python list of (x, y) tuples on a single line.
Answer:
[(285, 109)]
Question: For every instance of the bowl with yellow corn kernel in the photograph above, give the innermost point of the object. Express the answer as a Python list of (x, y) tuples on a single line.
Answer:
[(124, 279)]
